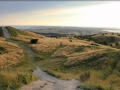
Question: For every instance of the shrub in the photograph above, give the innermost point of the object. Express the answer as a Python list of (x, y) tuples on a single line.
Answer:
[(105, 42), (117, 44), (85, 76), (70, 40), (111, 45), (34, 41), (2, 49), (79, 49)]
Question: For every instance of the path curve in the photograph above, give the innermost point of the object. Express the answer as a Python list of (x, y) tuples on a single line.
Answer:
[(49, 82)]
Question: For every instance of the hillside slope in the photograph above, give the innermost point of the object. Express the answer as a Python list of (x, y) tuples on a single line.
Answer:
[(110, 39), (94, 64), (15, 66)]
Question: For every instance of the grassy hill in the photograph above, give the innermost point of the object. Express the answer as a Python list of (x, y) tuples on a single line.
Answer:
[(86, 58), (15, 66), (95, 65), (111, 39)]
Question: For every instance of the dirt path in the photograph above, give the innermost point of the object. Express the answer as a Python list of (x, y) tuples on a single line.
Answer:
[(5, 32), (46, 82), (57, 83)]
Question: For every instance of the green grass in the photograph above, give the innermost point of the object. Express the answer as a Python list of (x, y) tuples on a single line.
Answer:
[(1, 32), (40, 55), (15, 32)]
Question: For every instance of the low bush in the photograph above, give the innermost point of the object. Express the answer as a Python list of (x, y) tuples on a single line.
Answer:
[(34, 41), (79, 49), (2, 49), (70, 40)]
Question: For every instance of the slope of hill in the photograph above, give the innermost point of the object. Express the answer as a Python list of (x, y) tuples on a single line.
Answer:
[(110, 39), (94, 64), (15, 66)]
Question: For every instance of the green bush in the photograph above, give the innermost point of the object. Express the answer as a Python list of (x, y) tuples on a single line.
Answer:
[(25, 78)]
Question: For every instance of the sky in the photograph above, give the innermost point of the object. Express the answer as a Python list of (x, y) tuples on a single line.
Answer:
[(61, 13)]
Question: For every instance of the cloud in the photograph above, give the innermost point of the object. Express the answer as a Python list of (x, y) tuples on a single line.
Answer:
[(100, 15)]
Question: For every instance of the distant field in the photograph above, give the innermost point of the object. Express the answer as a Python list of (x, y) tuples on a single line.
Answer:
[(64, 30)]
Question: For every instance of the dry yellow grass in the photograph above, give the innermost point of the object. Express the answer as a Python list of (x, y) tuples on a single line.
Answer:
[(50, 44), (77, 57), (12, 55), (62, 47), (26, 38)]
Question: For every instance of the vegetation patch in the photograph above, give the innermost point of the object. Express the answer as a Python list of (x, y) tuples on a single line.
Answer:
[(16, 67), (15, 32), (2, 50), (34, 41), (80, 49), (110, 39), (14, 77)]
